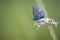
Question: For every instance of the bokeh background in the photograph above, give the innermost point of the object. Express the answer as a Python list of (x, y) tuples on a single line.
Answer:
[(16, 20)]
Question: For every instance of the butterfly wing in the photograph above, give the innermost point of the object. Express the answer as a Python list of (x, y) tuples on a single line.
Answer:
[(37, 13)]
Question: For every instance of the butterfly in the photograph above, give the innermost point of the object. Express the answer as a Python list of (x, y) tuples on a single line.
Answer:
[(37, 13)]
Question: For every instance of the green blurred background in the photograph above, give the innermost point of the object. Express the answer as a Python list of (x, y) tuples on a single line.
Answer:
[(16, 20)]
